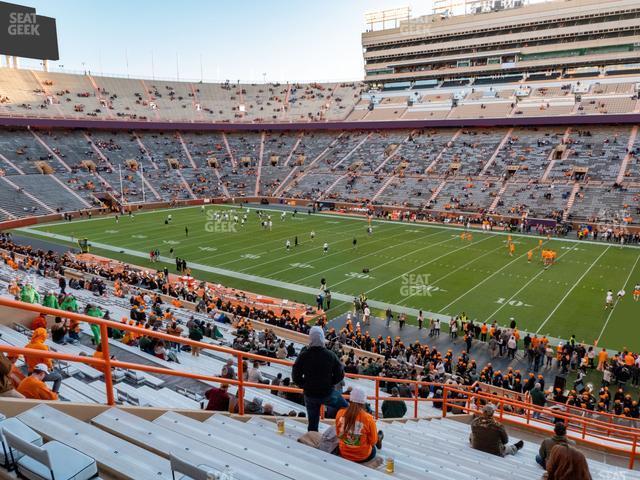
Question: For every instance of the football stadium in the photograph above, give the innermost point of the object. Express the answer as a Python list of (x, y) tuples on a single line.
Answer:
[(425, 268)]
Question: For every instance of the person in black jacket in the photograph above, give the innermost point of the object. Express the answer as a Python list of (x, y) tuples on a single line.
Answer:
[(317, 370), (62, 283)]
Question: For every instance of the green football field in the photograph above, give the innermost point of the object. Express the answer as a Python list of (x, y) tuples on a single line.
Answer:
[(411, 267)]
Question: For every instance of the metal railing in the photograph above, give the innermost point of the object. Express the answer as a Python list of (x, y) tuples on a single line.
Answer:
[(468, 399)]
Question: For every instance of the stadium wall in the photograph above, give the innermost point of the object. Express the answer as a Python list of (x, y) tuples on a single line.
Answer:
[(629, 118)]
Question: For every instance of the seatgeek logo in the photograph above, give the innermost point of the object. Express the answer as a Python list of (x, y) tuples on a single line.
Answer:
[(23, 24)]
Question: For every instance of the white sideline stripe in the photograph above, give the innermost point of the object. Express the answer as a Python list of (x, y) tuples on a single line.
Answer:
[(268, 281), (571, 289), (526, 285), (242, 276), (360, 218), (626, 282)]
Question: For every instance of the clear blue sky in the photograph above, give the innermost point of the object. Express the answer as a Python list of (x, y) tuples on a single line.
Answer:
[(236, 39)]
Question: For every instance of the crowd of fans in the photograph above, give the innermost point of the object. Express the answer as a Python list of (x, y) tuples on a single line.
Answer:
[(394, 359), (414, 361)]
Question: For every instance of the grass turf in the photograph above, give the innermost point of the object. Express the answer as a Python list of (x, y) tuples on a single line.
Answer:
[(418, 266)]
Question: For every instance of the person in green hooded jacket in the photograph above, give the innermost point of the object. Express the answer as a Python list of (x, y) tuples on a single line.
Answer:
[(51, 300), (28, 294), (70, 304), (94, 311)]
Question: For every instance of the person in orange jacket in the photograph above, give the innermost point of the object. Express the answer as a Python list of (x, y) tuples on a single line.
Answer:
[(15, 375), (39, 322), (34, 387), (38, 339), (356, 430)]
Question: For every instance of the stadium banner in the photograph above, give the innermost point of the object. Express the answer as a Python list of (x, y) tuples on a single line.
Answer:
[(326, 205), (23, 33), (545, 222)]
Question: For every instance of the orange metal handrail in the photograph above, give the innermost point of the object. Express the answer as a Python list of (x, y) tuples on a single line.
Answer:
[(104, 324), (625, 442), (577, 411), (590, 427)]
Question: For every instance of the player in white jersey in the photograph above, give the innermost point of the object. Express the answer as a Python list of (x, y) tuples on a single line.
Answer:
[(312, 235), (288, 245), (325, 248), (270, 224), (609, 299), (621, 293), (283, 215)]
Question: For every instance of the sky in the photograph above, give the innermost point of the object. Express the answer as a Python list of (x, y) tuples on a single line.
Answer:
[(247, 40)]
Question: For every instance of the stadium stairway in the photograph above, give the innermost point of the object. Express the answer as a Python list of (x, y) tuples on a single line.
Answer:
[(139, 443)]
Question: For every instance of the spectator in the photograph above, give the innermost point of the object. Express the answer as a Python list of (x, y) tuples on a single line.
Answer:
[(267, 410), (7, 388), (490, 436), (228, 371), (316, 371), (28, 294), (59, 331), (51, 301), (356, 430), (254, 407), (559, 438), (281, 352), (39, 322), (94, 311), (538, 398), (195, 334), (567, 463), (38, 338), (277, 382), (34, 387), (218, 398), (255, 375), (16, 375), (394, 408)]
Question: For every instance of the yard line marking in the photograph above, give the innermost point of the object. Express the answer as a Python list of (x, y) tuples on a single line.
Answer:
[(614, 306), (293, 253), (478, 284), (346, 238), (259, 281), (374, 253), (421, 266), (523, 287), (571, 289), (465, 265), (279, 239), (345, 217)]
